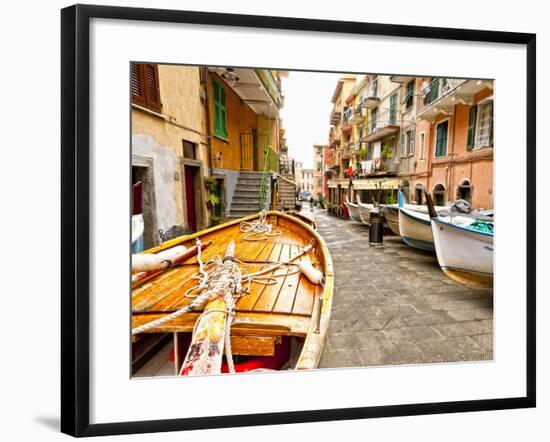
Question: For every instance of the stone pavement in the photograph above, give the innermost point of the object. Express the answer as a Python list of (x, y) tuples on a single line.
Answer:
[(394, 305)]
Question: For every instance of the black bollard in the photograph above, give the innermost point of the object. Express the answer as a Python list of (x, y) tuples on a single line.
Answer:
[(376, 228)]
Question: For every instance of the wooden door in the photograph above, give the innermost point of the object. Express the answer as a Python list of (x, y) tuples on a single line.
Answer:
[(190, 172), (247, 150)]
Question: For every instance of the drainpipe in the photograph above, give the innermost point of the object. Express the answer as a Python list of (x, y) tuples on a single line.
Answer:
[(208, 130)]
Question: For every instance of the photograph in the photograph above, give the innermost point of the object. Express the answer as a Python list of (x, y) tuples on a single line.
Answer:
[(289, 219)]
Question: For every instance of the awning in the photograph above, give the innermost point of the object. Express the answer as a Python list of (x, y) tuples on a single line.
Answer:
[(374, 184), (342, 182)]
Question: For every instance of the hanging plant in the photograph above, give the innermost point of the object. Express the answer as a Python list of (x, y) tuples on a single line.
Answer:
[(210, 184)]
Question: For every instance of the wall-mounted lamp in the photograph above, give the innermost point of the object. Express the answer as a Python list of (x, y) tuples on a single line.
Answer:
[(230, 76)]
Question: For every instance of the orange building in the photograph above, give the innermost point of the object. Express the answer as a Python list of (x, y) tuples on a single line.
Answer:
[(454, 139)]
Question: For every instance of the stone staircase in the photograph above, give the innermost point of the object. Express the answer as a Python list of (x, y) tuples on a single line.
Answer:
[(286, 197), (246, 198)]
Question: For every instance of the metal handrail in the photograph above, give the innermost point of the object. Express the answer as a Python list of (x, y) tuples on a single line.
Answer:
[(265, 174)]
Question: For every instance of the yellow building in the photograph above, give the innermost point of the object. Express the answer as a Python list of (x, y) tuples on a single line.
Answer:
[(169, 148), (243, 117)]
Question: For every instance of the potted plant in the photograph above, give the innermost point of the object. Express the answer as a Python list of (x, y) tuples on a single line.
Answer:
[(212, 200)]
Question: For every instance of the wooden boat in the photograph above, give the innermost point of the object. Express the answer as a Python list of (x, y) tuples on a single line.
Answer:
[(307, 218), (280, 325), (353, 210), (364, 211), (464, 253)]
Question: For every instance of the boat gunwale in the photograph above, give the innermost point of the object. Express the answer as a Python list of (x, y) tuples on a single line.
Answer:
[(455, 226), (410, 215)]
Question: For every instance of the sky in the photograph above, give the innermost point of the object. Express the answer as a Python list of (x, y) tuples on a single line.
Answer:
[(306, 112)]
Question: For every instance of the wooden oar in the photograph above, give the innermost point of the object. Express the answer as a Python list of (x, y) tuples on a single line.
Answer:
[(207, 346), (430, 204), (141, 277)]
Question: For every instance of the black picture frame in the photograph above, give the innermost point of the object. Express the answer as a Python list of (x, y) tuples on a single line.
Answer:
[(75, 213)]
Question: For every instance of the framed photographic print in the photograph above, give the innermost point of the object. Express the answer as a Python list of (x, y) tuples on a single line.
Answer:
[(292, 208)]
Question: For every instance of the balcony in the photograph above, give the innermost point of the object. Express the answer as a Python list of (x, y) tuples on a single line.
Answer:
[(443, 94), (382, 166), (335, 117), (258, 88), (382, 126), (400, 78), (346, 149), (369, 102), (271, 85), (358, 116)]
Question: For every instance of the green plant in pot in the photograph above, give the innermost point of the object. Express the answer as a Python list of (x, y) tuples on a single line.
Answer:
[(212, 200)]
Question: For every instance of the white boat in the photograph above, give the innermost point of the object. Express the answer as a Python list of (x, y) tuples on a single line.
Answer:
[(391, 215), (353, 210), (465, 254), (415, 229), (364, 211)]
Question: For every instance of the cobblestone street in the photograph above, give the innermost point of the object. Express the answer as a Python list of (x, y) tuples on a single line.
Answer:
[(394, 305)]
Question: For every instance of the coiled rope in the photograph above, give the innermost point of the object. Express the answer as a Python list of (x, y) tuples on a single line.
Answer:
[(259, 229)]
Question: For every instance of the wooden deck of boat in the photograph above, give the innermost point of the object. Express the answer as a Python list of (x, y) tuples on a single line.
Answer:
[(284, 307)]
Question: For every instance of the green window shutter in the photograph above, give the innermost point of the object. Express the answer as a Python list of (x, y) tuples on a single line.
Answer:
[(441, 139), (220, 128), (216, 90), (216, 119), (393, 109), (472, 128), (434, 89), (223, 114)]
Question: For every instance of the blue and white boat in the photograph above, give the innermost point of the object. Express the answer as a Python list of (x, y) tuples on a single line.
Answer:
[(464, 248)]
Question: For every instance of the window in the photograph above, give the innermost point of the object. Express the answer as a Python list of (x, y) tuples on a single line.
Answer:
[(441, 139), (393, 109), (422, 145), (403, 145), (374, 86), (359, 132), (419, 193), (189, 150), (409, 94), (433, 91), (145, 86), (410, 141), (465, 191), (370, 151), (220, 116), (439, 195), (485, 124), (373, 116), (446, 85), (472, 128)]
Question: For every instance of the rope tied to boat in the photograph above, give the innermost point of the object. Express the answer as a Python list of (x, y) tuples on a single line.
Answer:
[(222, 278), (259, 229)]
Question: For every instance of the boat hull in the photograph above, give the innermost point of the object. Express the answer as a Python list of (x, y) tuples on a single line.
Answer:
[(353, 211), (364, 212), (391, 215), (415, 229), (465, 255)]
